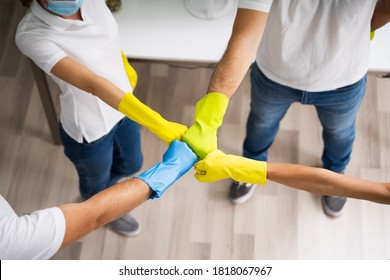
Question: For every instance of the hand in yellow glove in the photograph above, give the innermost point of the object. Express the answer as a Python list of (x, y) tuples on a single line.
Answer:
[(202, 135), (130, 71), (217, 166), (145, 116)]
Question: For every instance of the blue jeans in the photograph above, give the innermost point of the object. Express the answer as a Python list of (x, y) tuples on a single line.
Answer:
[(103, 162), (336, 109)]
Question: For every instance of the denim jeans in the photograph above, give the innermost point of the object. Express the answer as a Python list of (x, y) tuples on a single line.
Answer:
[(103, 162), (337, 110)]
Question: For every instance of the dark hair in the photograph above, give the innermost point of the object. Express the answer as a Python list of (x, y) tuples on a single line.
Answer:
[(26, 3)]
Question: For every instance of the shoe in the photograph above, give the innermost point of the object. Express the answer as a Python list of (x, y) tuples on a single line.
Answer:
[(241, 192), (333, 205), (126, 225)]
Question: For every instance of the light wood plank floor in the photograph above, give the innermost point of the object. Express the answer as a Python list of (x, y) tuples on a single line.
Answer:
[(194, 220)]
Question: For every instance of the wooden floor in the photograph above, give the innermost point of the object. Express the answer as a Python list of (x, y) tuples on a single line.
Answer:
[(194, 220)]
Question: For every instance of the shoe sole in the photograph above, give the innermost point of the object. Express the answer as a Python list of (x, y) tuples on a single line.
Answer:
[(329, 212), (127, 233), (244, 198)]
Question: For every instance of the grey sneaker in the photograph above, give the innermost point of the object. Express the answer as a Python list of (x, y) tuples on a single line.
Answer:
[(241, 192), (333, 205), (126, 225)]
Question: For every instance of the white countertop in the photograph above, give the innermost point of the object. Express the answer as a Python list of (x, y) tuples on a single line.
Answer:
[(150, 30), (380, 50), (165, 30)]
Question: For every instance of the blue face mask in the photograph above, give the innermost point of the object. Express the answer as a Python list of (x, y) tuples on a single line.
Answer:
[(64, 8)]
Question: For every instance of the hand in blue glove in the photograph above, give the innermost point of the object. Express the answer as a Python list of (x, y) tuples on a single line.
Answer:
[(177, 160)]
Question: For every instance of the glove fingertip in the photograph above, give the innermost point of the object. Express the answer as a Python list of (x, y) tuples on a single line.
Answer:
[(200, 167)]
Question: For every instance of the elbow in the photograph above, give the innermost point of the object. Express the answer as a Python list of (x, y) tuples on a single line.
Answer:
[(98, 222), (93, 83), (91, 88)]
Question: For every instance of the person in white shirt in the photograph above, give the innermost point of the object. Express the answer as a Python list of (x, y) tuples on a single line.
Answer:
[(311, 52), (77, 44), (41, 234)]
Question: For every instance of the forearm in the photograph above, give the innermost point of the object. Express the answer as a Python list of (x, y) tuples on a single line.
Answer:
[(102, 208), (88, 81), (241, 51), (324, 182), (230, 71), (381, 14), (81, 77)]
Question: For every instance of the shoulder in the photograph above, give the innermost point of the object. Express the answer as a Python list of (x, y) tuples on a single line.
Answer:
[(31, 27), (35, 236)]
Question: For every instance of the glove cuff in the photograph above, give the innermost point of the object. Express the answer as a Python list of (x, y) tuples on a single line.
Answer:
[(218, 103), (218, 97), (155, 185), (176, 162), (142, 114), (126, 104), (211, 109), (253, 172), (261, 168)]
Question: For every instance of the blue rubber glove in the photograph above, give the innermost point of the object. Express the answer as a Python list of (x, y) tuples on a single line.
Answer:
[(177, 160)]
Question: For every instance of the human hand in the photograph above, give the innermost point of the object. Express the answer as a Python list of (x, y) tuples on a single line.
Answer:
[(202, 135), (217, 166), (177, 160), (145, 116)]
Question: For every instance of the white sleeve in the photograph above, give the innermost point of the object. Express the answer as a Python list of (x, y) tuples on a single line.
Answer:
[(259, 5), (35, 236), (35, 44)]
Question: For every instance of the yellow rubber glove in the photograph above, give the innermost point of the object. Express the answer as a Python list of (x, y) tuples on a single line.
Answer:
[(145, 116), (372, 35), (217, 166), (130, 71), (202, 135)]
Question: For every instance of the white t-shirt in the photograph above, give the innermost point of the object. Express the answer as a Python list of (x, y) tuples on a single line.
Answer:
[(260, 5), (315, 45), (35, 236), (93, 42)]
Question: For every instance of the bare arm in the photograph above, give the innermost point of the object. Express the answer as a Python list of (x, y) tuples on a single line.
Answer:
[(381, 14), (102, 208), (81, 77), (247, 32), (324, 182), (115, 201)]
